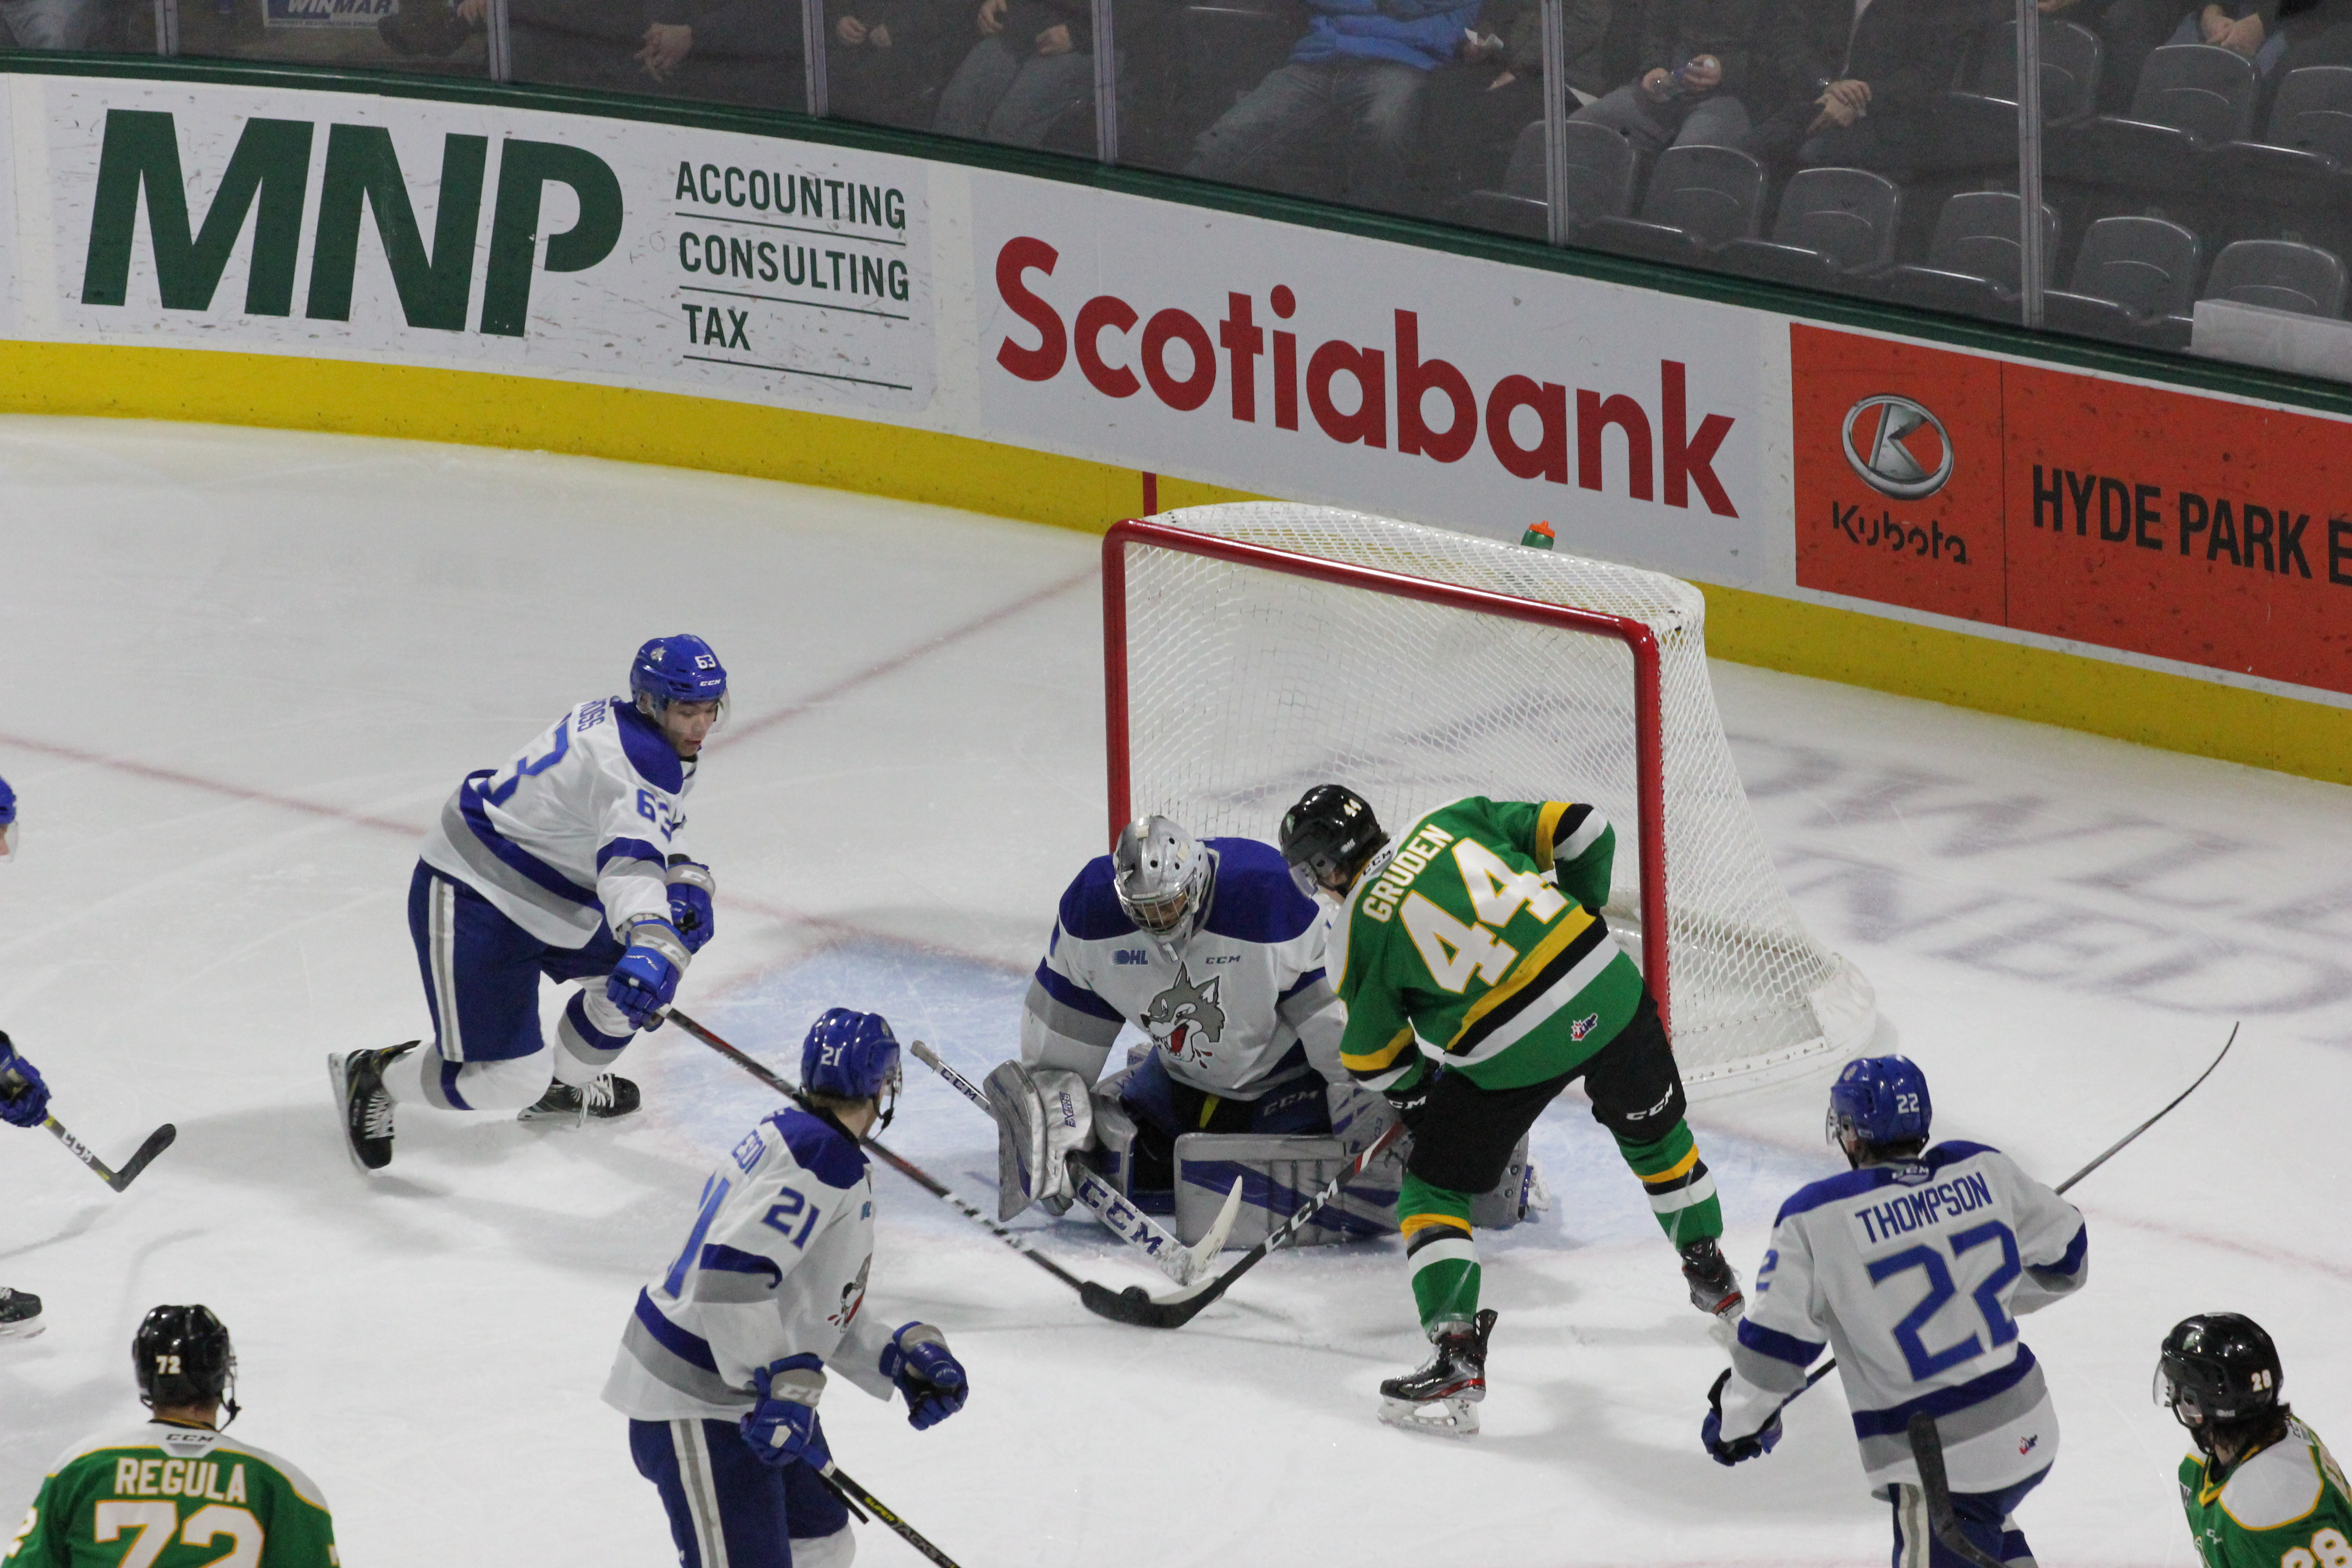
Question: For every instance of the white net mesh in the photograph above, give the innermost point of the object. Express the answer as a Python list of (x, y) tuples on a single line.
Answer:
[(1246, 686)]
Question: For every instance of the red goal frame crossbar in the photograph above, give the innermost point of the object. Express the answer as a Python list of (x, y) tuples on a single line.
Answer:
[(1641, 641)]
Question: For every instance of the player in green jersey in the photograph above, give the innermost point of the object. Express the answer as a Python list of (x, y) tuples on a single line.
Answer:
[(175, 1493), (1480, 981), (2262, 1490)]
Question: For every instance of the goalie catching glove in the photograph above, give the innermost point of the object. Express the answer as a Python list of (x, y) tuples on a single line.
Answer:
[(1044, 1115), (918, 1361)]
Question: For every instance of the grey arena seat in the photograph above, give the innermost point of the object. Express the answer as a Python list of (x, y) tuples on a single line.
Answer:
[(1698, 198), (2302, 160), (1601, 165), (1834, 225), (2281, 274), (1975, 262), (2190, 96), (2134, 280), (1976, 126)]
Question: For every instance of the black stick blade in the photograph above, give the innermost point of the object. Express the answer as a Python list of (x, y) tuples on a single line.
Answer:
[(1133, 1306), (157, 1142)]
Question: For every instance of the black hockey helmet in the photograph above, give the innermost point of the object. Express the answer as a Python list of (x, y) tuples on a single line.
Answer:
[(1328, 837), (2218, 1369), (181, 1356)]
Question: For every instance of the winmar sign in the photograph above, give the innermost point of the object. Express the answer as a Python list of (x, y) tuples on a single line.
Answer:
[(269, 177)]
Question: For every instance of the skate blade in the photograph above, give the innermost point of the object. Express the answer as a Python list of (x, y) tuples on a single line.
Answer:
[(23, 1331), (1439, 1418)]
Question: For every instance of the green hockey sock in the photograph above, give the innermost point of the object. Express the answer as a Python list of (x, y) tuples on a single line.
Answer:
[(1436, 1225), (1682, 1194)]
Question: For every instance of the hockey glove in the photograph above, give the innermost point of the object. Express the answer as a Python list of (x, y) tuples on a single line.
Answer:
[(24, 1098), (782, 1426), (691, 887), (917, 1360), (1411, 1096), (645, 980), (1734, 1450)]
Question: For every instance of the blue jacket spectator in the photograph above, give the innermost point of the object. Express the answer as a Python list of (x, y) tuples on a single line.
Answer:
[(1422, 34)]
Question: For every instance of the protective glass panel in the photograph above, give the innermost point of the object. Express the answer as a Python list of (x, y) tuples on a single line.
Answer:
[(888, 62), (1019, 73), (440, 38), (745, 52)]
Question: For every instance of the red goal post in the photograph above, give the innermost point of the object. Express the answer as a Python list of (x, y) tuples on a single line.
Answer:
[(1640, 640)]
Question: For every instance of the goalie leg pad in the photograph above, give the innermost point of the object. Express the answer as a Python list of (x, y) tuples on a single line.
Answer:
[(1278, 1175), (1044, 1115)]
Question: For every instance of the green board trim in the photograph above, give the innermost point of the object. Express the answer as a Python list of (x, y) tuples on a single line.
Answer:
[(1992, 337)]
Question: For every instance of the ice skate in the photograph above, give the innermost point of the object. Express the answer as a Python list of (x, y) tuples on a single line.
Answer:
[(608, 1097), (20, 1314), (1443, 1396), (1714, 1283), (358, 1081)]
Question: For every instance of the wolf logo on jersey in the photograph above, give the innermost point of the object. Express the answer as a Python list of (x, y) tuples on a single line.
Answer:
[(1185, 1020)]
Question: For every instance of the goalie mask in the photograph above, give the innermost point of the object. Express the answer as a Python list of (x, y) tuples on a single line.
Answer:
[(1161, 875)]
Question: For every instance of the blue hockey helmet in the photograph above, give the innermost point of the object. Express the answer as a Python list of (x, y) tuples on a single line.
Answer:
[(681, 669), (851, 1055), (1881, 1100), (7, 820)]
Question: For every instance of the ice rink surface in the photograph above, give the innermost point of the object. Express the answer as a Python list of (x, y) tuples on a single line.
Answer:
[(244, 669)]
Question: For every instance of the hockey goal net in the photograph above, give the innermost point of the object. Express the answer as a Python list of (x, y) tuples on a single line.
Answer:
[(1252, 650)]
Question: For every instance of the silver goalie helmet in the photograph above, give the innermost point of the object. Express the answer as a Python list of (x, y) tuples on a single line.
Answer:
[(1161, 875)]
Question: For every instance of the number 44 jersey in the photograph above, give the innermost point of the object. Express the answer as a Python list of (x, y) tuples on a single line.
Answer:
[(174, 1496), (1914, 1271)]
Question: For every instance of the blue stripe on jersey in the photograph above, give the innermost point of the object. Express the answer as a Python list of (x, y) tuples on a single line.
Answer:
[(1944, 1401), (1091, 908), (1854, 1184), (1254, 899), (1075, 996), (522, 861), (728, 1259), (2071, 1260), (647, 749), (824, 1150), (1777, 1345), (689, 1348), (627, 849), (1309, 978)]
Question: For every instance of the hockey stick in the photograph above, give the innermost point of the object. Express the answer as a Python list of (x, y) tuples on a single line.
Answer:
[(2113, 1148), (853, 1496), (913, 1173), (13, 1083), (1927, 1451), (1133, 1306), (1182, 1265)]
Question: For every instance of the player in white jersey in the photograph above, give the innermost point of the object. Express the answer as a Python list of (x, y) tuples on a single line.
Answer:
[(20, 1311), (722, 1363), (570, 862), (1212, 951), (1914, 1265)]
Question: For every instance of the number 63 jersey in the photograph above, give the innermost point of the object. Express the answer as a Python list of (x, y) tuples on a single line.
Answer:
[(774, 1265), (1915, 1272)]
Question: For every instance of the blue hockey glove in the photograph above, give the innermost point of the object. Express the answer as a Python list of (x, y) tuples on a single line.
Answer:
[(691, 887), (645, 980), (7, 820), (24, 1098), (1710, 1431), (917, 1360), (782, 1426)]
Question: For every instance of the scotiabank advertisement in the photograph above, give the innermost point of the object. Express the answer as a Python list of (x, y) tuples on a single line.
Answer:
[(2154, 521), (1330, 368)]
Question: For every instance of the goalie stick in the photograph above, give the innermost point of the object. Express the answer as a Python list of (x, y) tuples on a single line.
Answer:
[(861, 1502), (1133, 1306), (2112, 1150), (1182, 1265), (1943, 1522), (157, 1142)]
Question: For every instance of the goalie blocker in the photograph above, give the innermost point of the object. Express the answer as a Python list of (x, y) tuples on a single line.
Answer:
[(1047, 1121)]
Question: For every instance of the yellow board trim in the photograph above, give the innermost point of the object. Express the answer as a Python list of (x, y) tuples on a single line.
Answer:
[(1377, 1061), (2152, 708), (1543, 953), (1413, 1224), (1681, 1167), (1547, 829)]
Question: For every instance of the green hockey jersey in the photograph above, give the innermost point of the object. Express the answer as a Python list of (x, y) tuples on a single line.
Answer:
[(2285, 1506), (166, 1496), (1476, 940)]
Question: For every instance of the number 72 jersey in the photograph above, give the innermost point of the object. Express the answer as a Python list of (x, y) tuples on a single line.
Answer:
[(162, 1496)]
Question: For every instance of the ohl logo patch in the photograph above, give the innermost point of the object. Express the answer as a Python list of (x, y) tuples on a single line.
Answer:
[(1897, 446)]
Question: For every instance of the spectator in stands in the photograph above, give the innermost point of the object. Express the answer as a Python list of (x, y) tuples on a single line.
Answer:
[(49, 24), (713, 51), (1351, 92), (1034, 65), (2248, 27), (1695, 70), (1471, 118), (886, 59), (1859, 82)]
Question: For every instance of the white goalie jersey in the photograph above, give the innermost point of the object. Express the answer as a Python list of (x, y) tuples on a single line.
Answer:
[(1913, 1274), (578, 827), (774, 1266), (1243, 1007)]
